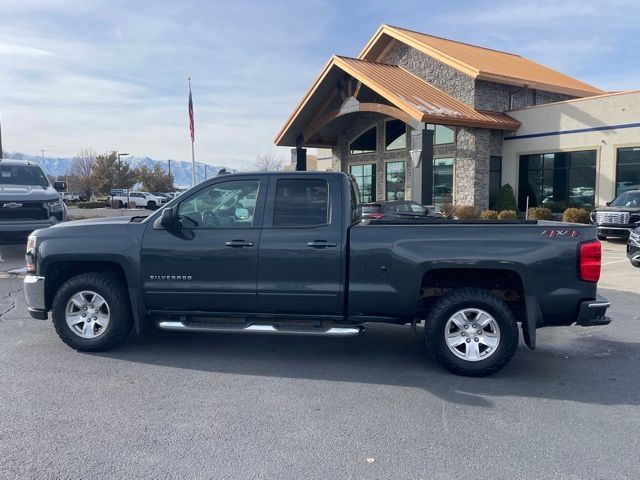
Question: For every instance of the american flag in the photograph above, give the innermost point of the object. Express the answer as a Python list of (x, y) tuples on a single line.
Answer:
[(192, 128)]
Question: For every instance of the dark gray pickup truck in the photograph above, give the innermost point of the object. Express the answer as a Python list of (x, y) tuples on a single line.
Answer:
[(290, 253)]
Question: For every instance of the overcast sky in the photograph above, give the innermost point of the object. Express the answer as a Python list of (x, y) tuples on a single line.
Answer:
[(112, 74)]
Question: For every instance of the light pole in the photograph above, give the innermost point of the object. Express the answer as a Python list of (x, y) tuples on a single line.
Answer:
[(124, 155)]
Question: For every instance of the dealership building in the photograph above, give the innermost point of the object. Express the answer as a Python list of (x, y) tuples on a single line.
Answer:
[(420, 117)]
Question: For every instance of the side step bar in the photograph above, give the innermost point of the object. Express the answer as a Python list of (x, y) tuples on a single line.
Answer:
[(251, 328)]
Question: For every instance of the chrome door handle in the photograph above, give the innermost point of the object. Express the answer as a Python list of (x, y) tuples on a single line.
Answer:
[(321, 244), (238, 243)]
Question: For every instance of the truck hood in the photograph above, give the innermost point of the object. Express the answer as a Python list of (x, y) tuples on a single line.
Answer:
[(23, 193)]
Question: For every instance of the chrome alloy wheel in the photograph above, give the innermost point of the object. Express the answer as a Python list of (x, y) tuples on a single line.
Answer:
[(87, 314), (472, 334)]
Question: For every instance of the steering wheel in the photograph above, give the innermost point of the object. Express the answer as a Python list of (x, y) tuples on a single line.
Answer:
[(210, 218)]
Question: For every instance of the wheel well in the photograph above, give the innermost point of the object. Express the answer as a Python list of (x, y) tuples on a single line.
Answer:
[(60, 272), (504, 284)]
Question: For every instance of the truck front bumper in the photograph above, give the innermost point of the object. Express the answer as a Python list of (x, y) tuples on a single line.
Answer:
[(33, 287), (593, 312)]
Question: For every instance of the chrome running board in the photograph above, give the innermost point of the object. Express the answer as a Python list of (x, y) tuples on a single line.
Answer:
[(261, 328)]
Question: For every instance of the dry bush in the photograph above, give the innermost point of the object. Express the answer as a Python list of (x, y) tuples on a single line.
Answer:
[(467, 212), (576, 215), (508, 215), (539, 213), (489, 215), (448, 209)]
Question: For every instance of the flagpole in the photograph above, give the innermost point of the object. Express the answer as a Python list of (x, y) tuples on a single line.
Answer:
[(193, 156)]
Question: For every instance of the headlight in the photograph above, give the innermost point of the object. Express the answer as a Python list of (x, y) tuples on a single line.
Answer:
[(30, 256), (593, 216), (55, 206)]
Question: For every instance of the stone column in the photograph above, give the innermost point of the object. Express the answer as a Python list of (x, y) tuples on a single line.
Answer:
[(471, 184)]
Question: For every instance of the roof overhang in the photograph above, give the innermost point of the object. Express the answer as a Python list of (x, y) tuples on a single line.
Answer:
[(386, 35), (409, 98)]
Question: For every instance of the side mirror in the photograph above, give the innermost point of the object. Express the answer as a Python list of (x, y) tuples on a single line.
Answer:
[(608, 203), (168, 220), (60, 186)]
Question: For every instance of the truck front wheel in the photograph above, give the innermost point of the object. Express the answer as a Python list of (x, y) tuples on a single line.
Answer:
[(91, 312), (471, 332)]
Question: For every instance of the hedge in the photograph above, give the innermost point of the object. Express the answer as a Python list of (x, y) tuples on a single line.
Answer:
[(467, 212), (90, 204), (576, 215), (489, 215), (508, 215), (539, 213)]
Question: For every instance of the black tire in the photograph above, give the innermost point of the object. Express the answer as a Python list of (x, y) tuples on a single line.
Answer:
[(115, 294), (120, 204), (602, 237), (151, 205), (635, 263), (455, 300)]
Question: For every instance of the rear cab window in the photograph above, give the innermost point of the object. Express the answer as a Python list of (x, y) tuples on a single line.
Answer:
[(301, 202)]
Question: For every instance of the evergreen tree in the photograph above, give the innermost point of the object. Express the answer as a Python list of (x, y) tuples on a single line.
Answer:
[(109, 172), (506, 200)]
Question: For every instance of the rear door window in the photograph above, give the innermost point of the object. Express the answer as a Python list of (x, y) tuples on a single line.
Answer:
[(301, 202)]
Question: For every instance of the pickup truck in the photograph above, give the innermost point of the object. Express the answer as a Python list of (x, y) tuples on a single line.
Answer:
[(28, 201), (139, 199), (289, 253)]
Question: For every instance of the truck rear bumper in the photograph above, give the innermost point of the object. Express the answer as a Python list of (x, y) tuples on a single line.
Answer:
[(33, 287), (593, 312)]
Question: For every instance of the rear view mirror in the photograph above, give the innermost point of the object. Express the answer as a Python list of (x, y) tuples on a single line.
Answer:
[(608, 203), (60, 186)]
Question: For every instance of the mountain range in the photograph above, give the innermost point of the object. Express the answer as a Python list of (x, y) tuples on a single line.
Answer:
[(181, 170)]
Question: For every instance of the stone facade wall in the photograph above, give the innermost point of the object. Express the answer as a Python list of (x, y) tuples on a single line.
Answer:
[(495, 96), (361, 123), (438, 74)]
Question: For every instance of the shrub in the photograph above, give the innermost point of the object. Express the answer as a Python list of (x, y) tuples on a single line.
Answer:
[(448, 210), (506, 200), (539, 213), (467, 212), (90, 204), (508, 215), (576, 215), (489, 215)]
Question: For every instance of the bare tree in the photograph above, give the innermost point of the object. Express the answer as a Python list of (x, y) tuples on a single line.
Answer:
[(79, 174), (268, 161)]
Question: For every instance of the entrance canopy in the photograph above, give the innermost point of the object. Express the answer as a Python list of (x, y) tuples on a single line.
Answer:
[(347, 85)]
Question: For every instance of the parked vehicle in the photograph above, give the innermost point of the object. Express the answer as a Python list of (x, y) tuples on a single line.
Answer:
[(27, 200), (138, 199), (303, 261), (166, 196), (618, 217), (633, 247), (396, 209), (73, 197)]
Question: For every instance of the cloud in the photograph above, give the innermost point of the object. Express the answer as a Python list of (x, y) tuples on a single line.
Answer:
[(13, 49)]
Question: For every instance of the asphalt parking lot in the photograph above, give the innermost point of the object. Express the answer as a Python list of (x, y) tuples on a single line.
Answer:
[(177, 405)]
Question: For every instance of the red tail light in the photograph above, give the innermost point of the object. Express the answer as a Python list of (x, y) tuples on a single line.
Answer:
[(376, 215), (590, 261)]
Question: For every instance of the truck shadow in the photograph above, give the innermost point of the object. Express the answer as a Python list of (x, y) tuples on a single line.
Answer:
[(579, 368)]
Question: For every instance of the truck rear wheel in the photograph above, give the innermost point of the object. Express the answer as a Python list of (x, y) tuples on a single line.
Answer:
[(471, 332), (91, 312)]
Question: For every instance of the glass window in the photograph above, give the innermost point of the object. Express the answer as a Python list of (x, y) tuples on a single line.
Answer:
[(301, 203), (395, 135), (22, 175), (442, 181), (442, 135), (628, 169), (223, 205), (495, 178), (365, 176), (394, 180), (365, 143), (627, 199), (558, 180)]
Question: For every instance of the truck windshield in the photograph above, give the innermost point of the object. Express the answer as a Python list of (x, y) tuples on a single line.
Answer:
[(627, 199), (22, 175)]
